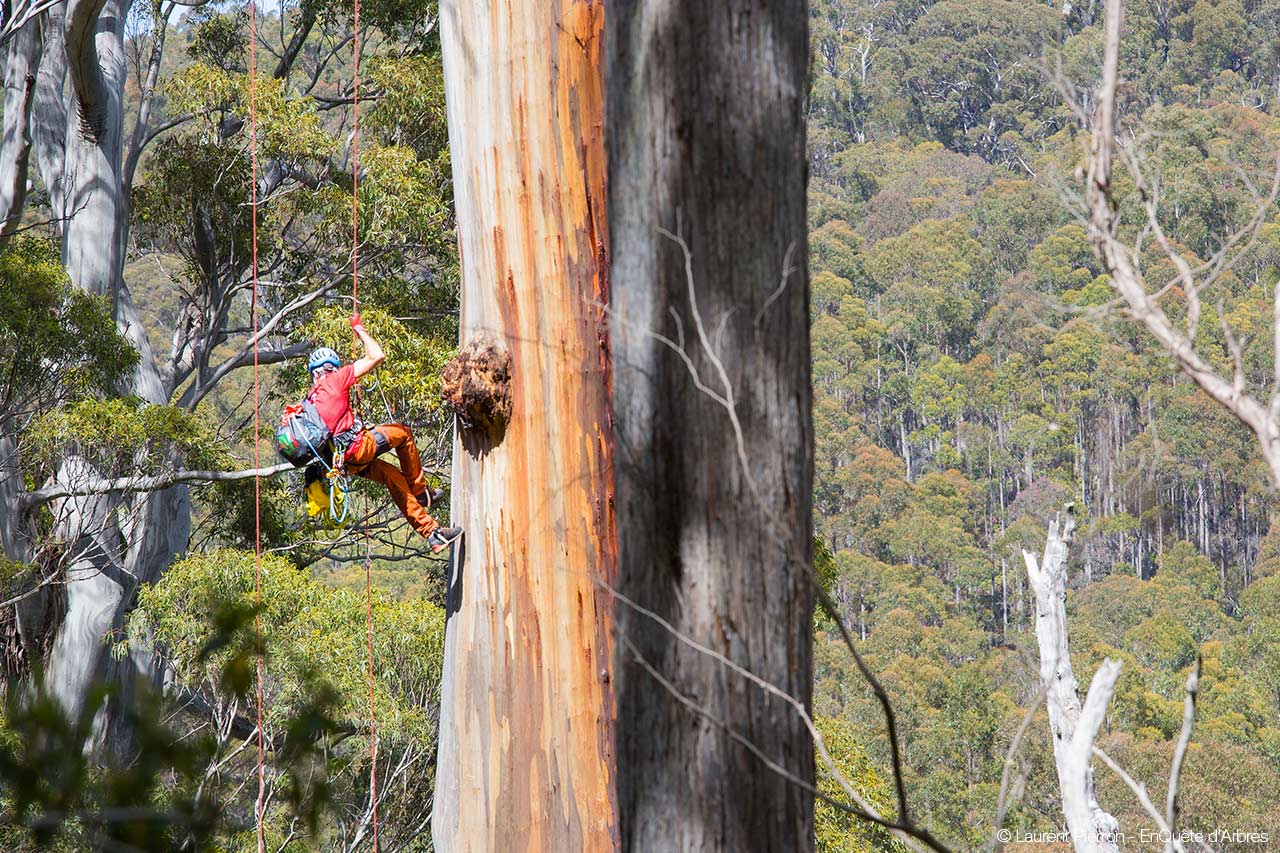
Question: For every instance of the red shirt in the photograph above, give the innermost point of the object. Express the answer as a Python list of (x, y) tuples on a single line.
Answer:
[(332, 398)]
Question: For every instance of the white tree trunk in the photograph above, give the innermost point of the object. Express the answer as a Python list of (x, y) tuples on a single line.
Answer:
[(118, 543), (1072, 727), (93, 138), (526, 721), (49, 120), (15, 148)]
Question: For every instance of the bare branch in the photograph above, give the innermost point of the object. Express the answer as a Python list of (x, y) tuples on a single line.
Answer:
[(1121, 263), (201, 388), (151, 483), (1139, 791)]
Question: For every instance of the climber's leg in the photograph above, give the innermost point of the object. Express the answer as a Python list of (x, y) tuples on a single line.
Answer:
[(390, 476)]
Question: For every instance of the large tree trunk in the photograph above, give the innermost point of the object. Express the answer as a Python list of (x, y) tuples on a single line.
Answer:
[(526, 722), (21, 65), (116, 543), (715, 440)]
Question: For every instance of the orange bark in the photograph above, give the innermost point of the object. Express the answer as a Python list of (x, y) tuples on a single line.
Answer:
[(527, 710)]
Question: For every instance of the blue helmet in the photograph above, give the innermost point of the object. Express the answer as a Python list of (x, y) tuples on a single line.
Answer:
[(321, 357)]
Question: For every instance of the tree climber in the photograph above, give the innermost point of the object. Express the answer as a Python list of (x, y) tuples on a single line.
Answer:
[(331, 384)]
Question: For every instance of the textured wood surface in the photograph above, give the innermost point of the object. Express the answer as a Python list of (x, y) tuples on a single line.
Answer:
[(526, 733), (706, 139)]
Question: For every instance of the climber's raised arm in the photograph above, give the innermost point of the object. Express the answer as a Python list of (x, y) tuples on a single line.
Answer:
[(373, 354)]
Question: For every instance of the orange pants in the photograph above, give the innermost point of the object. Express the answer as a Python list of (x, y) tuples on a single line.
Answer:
[(406, 482)]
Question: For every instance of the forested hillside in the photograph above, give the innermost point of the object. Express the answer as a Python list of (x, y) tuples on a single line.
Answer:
[(973, 373)]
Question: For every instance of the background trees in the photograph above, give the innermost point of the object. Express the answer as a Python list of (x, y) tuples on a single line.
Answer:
[(1020, 388), (127, 275)]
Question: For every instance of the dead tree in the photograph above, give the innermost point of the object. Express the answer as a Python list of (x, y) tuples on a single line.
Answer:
[(526, 722), (1072, 726), (1261, 414)]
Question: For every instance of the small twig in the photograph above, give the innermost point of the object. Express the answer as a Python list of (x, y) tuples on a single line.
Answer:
[(1014, 745)]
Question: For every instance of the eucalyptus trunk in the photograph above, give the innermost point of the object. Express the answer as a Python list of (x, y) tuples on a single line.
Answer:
[(114, 543), (526, 721), (21, 64), (713, 405)]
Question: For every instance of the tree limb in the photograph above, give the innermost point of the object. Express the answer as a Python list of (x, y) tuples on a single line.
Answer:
[(19, 97), (203, 386), (140, 136), (1180, 753), (150, 483)]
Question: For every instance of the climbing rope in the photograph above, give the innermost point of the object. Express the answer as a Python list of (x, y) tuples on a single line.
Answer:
[(335, 482), (257, 412), (355, 309)]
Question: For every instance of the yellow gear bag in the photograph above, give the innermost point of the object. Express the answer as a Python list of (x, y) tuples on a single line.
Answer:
[(318, 501)]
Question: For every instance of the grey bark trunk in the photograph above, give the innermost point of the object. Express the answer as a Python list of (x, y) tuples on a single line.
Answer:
[(706, 138), (49, 122), (117, 543), (15, 148)]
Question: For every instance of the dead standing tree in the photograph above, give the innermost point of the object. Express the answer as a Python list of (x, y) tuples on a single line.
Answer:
[(1073, 727)]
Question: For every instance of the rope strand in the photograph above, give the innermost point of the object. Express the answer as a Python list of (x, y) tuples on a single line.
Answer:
[(355, 307), (257, 415), (257, 410)]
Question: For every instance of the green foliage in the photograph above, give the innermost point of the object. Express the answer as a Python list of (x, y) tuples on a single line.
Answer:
[(123, 435), (204, 614), (54, 793), (308, 629), (970, 377), (838, 831), (56, 342)]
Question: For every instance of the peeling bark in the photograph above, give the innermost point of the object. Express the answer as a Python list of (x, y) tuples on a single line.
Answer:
[(713, 407), (526, 721)]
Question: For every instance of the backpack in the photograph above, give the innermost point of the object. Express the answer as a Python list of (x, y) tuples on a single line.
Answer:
[(302, 434)]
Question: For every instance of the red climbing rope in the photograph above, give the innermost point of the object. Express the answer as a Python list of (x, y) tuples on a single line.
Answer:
[(355, 309), (257, 408), (257, 480)]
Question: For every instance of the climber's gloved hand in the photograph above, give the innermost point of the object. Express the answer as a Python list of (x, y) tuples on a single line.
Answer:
[(356, 323)]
